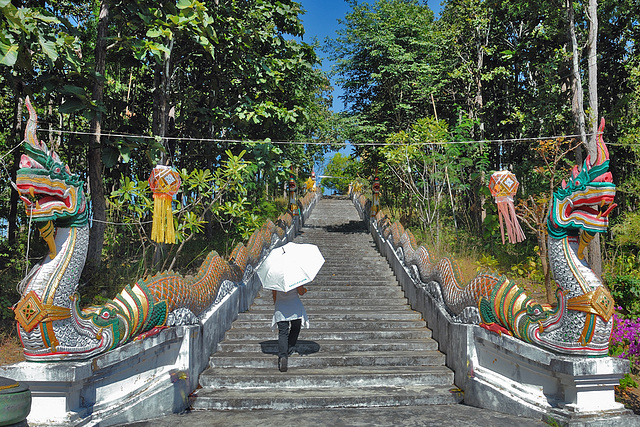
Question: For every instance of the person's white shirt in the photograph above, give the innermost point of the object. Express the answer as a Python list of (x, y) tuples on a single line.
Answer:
[(289, 307)]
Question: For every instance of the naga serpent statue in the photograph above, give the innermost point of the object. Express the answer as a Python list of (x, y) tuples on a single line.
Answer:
[(581, 322), (51, 324)]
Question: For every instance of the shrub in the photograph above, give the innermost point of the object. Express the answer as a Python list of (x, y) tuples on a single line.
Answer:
[(625, 340)]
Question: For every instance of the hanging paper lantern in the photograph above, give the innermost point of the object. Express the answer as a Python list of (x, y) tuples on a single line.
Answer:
[(165, 183), (503, 186)]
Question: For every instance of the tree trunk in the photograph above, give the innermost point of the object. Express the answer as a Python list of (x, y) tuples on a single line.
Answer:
[(159, 126), (96, 186), (594, 255), (577, 102), (483, 40), (18, 105)]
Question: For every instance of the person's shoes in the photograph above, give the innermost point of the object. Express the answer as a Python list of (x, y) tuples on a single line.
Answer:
[(282, 364), (291, 350)]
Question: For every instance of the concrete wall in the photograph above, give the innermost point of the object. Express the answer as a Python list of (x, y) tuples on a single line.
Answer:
[(142, 379)]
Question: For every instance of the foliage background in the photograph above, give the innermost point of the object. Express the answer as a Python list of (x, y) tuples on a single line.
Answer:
[(223, 89)]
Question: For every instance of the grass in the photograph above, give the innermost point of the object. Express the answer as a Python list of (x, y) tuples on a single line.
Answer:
[(10, 349)]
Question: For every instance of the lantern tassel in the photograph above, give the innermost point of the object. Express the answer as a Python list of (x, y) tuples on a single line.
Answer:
[(163, 230), (507, 216)]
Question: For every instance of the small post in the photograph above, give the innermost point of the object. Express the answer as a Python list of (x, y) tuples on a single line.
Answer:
[(293, 207), (375, 191)]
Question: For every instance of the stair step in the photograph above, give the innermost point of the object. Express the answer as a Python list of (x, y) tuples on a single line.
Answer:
[(338, 346), (265, 314), (343, 292), (264, 334), (328, 359), (334, 376), (333, 397), (322, 324), (352, 302)]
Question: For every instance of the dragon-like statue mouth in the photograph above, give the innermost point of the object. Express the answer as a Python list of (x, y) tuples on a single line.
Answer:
[(42, 195), (588, 209)]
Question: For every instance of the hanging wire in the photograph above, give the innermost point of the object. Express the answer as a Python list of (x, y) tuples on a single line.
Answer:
[(216, 140), (26, 266), (356, 144), (10, 151), (121, 223)]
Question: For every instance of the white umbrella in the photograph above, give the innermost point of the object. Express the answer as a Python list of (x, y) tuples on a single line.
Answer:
[(290, 266)]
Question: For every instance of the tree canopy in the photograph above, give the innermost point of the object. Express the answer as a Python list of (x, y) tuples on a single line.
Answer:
[(434, 104)]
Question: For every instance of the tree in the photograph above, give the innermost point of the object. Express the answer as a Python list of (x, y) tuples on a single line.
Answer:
[(383, 56), (594, 255), (469, 23), (338, 173), (33, 43)]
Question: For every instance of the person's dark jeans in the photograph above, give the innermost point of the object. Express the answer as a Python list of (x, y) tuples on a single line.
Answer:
[(287, 340)]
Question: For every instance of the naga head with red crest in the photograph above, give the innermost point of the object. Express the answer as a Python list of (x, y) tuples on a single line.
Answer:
[(47, 187), (584, 203)]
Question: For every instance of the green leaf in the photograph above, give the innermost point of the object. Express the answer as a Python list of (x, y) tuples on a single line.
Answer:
[(71, 106), (184, 4), (4, 3), (8, 54), (125, 154), (75, 90), (48, 48), (154, 32), (109, 156)]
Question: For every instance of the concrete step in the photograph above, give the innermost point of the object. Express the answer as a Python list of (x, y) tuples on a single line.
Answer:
[(312, 307), (305, 347), (335, 376), (266, 314), (327, 359), (354, 301), (355, 280), (344, 268), (265, 334), (345, 259), (329, 397), (337, 324), (340, 290)]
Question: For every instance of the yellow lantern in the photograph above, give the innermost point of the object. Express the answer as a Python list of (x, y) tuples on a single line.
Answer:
[(165, 183)]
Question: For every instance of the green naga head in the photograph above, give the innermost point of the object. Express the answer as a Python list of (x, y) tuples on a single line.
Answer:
[(582, 206), (45, 184)]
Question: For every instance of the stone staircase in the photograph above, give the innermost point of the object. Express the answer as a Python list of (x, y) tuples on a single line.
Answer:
[(365, 347)]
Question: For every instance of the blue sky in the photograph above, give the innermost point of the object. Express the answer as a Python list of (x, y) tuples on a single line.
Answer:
[(321, 21)]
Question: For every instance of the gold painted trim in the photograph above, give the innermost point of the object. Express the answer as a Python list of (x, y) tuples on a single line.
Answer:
[(599, 302)]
